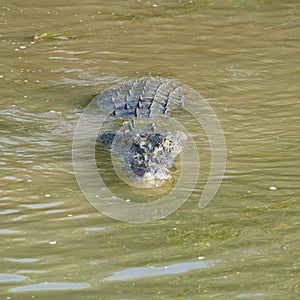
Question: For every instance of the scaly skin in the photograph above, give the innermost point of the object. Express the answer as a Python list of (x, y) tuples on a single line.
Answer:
[(147, 154)]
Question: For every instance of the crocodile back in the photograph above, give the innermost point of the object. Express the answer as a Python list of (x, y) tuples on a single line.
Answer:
[(143, 97)]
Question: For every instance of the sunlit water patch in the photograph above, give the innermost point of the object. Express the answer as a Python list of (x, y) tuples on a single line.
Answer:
[(143, 272)]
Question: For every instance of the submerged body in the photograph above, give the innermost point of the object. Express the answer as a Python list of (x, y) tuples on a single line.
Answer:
[(140, 107)]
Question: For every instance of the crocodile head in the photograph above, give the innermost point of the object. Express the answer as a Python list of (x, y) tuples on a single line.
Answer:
[(147, 156)]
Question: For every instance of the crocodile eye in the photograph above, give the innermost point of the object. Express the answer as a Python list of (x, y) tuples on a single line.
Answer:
[(168, 142), (168, 145)]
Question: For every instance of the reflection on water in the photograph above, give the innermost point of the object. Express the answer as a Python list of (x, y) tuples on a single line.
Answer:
[(142, 272), (51, 286), (242, 57), (11, 278)]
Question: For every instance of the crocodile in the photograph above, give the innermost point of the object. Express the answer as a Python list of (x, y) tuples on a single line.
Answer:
[(135, 110)]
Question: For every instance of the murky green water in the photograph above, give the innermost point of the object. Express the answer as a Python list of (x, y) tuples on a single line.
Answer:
[(243, 57)]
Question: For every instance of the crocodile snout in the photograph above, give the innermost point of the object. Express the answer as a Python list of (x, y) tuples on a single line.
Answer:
[(150, 156)]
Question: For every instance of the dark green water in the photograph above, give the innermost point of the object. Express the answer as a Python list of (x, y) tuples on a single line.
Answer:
[(243, 58)]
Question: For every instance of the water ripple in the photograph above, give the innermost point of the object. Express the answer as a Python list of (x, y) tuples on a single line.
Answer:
[(11, 278), (142, 272), (22, 260), (51, 286)]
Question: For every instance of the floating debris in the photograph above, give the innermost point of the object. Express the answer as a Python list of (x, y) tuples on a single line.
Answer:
[(273, 188), (52, 35)]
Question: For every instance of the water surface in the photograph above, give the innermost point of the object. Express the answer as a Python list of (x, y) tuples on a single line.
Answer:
[(243, 57)]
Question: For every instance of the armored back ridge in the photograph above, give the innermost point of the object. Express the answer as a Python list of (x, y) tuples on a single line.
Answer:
[(142, 97), (140, 106)]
